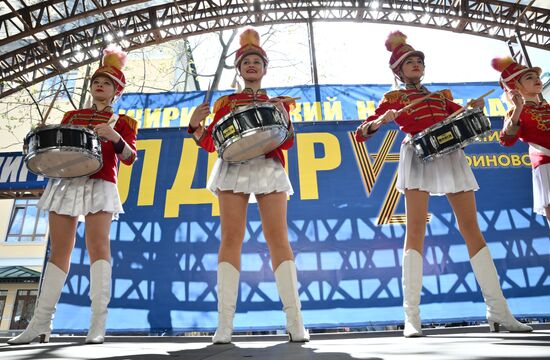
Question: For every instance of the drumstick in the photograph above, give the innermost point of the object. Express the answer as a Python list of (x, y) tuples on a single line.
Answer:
[(464, 107), (284, 99), (208, 93), (486, 94), (51, 106), (207, 99)]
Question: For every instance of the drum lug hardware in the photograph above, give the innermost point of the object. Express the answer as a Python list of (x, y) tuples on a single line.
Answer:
[(477, 124), (59, 137), (456, 132), (258, 117), (434, 143)]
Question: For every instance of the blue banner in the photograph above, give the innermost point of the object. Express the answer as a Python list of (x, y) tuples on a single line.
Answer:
[(335, 103), (346, 226)]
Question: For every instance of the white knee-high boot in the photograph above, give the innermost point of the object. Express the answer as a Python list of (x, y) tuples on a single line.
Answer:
[(412, 286), (41, 323), (100, 295), (228, 289), (287, 284), (498, 312)]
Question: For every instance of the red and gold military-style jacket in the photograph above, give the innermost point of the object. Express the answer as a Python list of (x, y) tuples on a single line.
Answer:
[(534, 127), (420, 116), (125, 126), (226, 104)]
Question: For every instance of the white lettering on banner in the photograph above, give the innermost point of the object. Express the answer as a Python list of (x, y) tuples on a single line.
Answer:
[(23, 174), (10, 168)]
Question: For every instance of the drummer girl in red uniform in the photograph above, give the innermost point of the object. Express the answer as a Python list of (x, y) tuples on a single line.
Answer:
[(233, 183), (95, 197), (528, 121), (447, 175)]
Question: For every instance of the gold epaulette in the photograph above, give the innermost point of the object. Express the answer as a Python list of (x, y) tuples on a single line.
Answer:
[(132, 123), (447, 94), (221, 102), (391, 96)]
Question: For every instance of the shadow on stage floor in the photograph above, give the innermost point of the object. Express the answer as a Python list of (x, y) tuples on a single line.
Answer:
[(473, 343)]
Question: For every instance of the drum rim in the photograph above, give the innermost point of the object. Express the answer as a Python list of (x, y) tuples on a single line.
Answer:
[(81, 128), (244, 134), (30, 156), (62, 126), (62, 149), (446, 121), (454, 148), (242, 109)]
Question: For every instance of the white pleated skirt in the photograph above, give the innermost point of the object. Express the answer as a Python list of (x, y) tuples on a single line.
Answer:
[(541, 188), (80, 197), (447, 174), (260, 175)]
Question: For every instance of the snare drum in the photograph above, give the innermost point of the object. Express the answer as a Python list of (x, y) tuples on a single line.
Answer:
[(451, 134), (61, 151), (250, 131)]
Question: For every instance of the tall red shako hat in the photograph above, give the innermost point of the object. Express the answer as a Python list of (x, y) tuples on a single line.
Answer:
[(250, 44), (511, 71), (396, 43), (114, 60)]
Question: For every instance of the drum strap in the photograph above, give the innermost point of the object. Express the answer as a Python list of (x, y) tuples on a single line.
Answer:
[(541, 149)]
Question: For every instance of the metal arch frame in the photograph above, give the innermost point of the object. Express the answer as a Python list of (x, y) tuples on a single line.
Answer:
[(51, 55)]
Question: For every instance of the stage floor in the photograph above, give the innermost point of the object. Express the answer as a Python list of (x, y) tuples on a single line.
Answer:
[(456, 343)]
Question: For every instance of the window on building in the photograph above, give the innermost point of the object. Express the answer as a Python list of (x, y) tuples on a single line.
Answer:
[(23, 309), (3, 297), (28, 223)]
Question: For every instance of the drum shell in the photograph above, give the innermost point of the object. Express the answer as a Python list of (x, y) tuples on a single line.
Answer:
[(250, 131), (62, 151), (451, 134)]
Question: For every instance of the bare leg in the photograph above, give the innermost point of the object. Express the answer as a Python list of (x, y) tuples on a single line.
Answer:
[(416, 203), (464, 207), (273, 213), (98, 227), (233, 208), (62, 236)]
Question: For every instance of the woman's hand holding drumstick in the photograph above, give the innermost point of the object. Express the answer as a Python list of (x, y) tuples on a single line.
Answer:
[(198, 118), (199, 115)]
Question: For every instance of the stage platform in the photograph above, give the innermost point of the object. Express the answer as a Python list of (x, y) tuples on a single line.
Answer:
[(448, 343)]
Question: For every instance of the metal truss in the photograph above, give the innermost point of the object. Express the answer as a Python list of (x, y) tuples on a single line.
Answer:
[(52, 37)]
